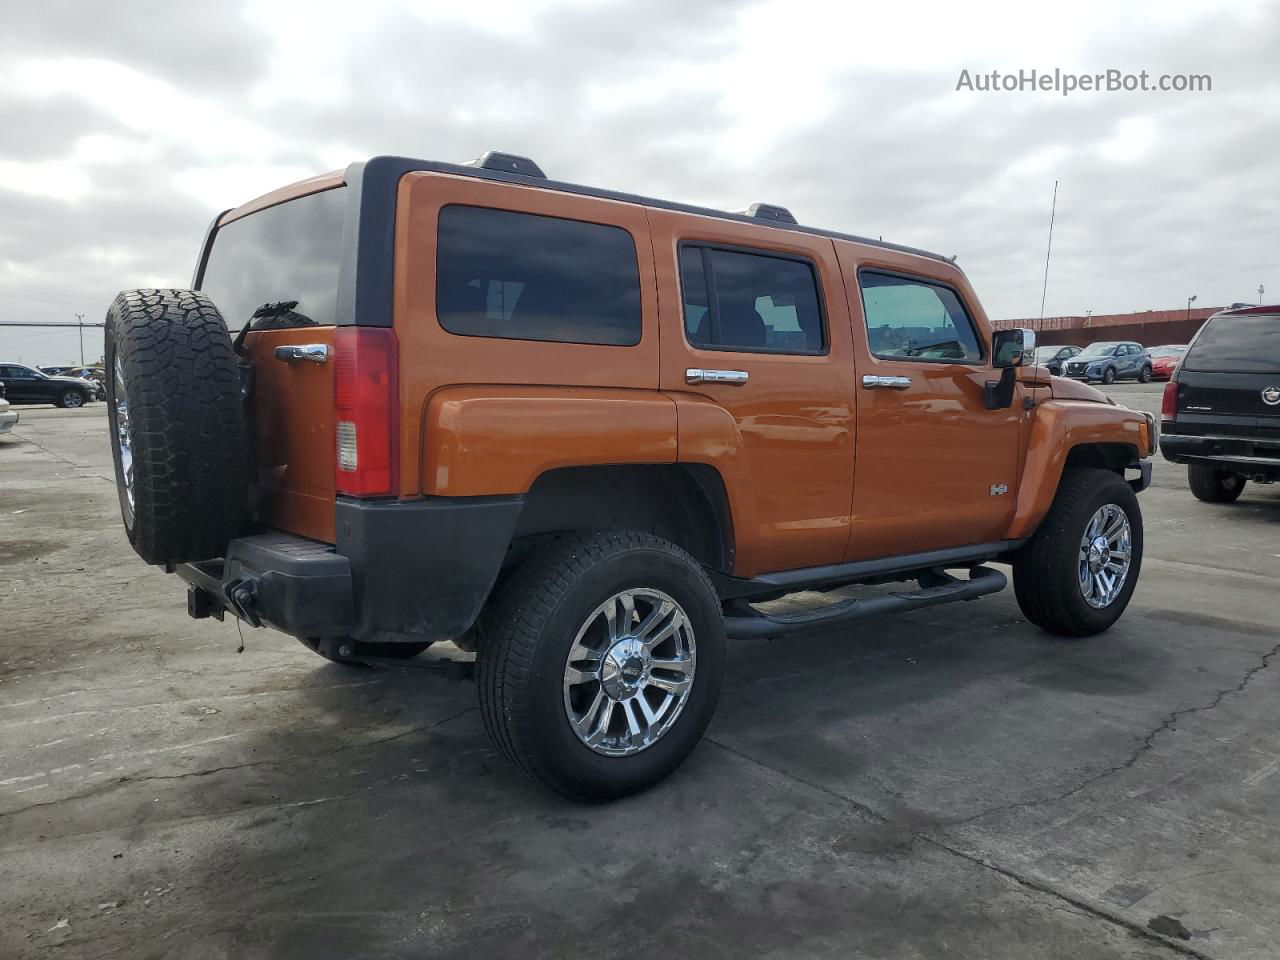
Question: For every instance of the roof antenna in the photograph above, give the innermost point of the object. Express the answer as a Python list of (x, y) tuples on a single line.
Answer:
[(1045, 290)]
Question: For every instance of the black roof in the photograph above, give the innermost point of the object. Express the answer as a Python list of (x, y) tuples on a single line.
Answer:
[(405, 165)]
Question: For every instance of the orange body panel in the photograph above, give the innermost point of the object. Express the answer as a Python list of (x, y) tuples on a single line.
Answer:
[(931, 456), (793, 418), (493, 440), (1058, 426), (816, 468), (433, 358), (291, 419)]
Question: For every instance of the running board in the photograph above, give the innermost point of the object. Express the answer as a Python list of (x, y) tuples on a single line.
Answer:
[(743, 621)]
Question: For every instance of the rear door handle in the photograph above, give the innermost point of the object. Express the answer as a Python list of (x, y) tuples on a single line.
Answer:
[(313, 352), (872, 382), (734, 378)]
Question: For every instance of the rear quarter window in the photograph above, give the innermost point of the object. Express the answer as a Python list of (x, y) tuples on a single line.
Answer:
[(523, 276)]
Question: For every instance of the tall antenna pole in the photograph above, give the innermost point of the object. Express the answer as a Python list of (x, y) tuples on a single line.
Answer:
[(80, 324), (1045, 290)]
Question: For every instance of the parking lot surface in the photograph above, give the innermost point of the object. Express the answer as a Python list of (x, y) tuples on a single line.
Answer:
[(952, 783)]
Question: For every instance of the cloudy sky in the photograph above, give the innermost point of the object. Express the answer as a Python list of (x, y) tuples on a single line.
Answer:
[(125, 127)]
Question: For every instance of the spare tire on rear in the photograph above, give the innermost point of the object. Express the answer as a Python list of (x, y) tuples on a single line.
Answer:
[(177, 424)]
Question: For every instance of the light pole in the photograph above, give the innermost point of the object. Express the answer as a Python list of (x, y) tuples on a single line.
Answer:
[(80, 324), (1260, 292), (1190, 300)]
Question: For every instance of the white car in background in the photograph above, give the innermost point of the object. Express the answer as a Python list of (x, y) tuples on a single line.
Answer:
[(8, 416)]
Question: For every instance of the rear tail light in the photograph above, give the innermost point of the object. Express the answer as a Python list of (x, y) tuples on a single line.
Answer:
[(364, 388), (1169, 403)]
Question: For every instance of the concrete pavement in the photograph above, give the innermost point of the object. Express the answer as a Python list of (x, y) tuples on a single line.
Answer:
[(952, 783)]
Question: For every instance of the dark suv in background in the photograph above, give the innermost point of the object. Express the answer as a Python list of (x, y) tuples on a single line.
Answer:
[(27, 385), (1221, 410), (1109, 361)]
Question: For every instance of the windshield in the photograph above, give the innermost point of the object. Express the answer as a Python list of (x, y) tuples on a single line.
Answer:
[(1236, 344), (1098, 350), (280, 263), (1167, 351)]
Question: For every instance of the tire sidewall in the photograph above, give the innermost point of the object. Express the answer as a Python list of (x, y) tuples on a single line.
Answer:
[(1068, 575), (110, 355), (549, 733)]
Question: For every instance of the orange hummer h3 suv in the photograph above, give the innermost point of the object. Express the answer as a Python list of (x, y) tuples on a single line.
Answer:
[(585, 435)]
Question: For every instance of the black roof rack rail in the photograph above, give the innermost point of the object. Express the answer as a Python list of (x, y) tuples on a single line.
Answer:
[(507, 163), (769, 211)]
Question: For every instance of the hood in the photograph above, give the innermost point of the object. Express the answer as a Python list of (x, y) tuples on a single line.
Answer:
[(72, 381), (1064, 389)]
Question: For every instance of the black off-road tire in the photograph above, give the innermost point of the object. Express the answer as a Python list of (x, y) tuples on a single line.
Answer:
[(1213, 485), (72, 399), (525, 636), (1145, 375), (1046, 569), (1109, 376), (186, 424), (391, 651)]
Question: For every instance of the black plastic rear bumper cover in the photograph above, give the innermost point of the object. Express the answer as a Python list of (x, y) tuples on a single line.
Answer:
[(401, 570), (1246, 455)]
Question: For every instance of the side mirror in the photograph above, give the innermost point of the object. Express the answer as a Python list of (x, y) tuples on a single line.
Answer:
[(1012, 348)]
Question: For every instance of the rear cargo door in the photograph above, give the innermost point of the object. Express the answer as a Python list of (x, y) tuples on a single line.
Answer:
[(1229, 381), (276, 269)]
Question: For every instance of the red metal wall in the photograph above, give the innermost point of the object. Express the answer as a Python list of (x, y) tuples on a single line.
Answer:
[(1151, 328)]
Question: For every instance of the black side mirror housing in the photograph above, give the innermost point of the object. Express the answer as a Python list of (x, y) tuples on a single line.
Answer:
[(1010, 349)]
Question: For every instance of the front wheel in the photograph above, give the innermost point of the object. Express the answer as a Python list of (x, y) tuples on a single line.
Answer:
[(71, 399), (1078, 571), (600, 661), (1109, 376), (1213, 485)]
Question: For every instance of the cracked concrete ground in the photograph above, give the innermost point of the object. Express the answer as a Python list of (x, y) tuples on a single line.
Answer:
[(952, 783)]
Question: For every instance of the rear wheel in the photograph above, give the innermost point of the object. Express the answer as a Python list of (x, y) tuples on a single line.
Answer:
[(71, 399), (1109, 375), (1213, 485), (1145, 375), (600, 661), (1078, 571)]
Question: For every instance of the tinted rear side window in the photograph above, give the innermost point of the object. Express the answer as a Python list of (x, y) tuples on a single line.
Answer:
[(291, 251), (750, 302), (1236, 344), (523, 276)]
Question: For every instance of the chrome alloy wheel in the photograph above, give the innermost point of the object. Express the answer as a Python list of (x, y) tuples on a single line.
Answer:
[(125, 437), (1105, 552), (629, 672)]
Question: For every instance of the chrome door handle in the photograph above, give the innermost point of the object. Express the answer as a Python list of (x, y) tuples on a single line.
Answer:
[(870, 382), (732, 377), (313, 352)]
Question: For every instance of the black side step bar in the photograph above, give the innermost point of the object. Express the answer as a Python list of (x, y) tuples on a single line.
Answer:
[(742, 621)]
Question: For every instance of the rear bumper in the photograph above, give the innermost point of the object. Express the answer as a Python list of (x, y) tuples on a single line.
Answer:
[(400, 571), (1244, 455)]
